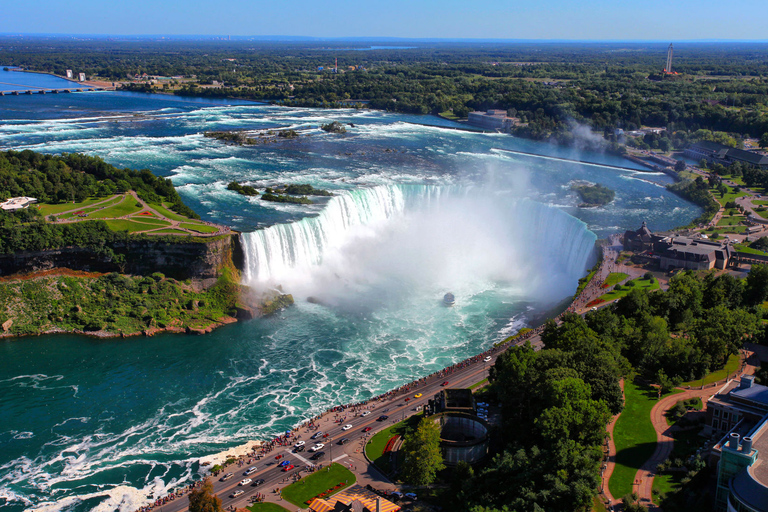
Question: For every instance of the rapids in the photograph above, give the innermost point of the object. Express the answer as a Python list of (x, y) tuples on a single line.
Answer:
[(418, 211)]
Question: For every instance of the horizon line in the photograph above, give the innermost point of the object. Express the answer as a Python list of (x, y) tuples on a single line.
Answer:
[(294, 38)]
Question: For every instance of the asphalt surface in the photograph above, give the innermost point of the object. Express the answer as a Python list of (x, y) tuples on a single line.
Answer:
[(395, 407)]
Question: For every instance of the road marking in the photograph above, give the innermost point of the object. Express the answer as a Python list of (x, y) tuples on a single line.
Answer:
[(340, 457), (305, 461)]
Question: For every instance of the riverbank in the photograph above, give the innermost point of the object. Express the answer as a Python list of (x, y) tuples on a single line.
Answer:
[(62, 301)]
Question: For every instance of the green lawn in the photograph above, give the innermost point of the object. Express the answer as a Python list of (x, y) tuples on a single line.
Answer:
[(759, 202), (200, 228), (92, 208), (763, 214), (749, 250), (736, 179), (664, 484), (312, 485), (634, 436), (171, 231), (640, 282), (50, 209), (150, 221), (731, 221), (614, 278), (729, 196), (125, 207), (131, 226), (448, 114), (727, 230), (730, 367), (167, 212), (266, 507), (374, 449)]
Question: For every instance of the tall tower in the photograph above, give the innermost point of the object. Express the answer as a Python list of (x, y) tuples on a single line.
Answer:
[(669, 59), (336, 65)]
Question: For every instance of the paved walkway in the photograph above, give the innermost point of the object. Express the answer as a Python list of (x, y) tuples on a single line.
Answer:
[(610, 460), (664, 440)]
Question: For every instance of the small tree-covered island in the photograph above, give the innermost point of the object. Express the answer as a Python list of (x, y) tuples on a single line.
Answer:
[(111, 252), (593, 195)]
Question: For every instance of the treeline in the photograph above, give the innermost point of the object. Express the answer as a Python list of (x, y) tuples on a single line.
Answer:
[(26, 230), (556, 402), (697, 192), (722, 87), (75, 177)]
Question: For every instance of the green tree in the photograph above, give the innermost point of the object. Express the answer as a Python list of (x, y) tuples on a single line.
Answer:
[(764, 140), (680, 166), (202, 499), (756, 285), (423, 458)]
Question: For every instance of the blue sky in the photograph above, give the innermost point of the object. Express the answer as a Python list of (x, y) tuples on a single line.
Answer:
[(499, 19)]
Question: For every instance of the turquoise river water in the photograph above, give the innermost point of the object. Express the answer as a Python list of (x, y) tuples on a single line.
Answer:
[(418, 211)]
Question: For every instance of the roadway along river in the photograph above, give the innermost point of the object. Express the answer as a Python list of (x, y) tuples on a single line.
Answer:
[(395, 407)]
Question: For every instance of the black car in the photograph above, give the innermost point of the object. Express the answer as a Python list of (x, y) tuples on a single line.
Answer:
[(257, 483), (318, 456), (383, 417), (298, 449), (343, 440)]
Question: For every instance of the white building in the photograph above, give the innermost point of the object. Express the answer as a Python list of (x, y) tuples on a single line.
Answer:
[(82, 77), (17, 203)]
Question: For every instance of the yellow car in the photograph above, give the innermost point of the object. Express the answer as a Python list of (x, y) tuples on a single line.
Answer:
[(417, 395)]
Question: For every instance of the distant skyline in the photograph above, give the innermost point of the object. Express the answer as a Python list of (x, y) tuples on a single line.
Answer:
[(593, 20)]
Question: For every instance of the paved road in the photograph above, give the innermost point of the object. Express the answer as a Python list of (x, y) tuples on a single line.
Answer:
[(396, 408)]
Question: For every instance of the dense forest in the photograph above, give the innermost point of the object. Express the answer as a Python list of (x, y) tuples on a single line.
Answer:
[(75, 177), (549, 87), (556, 402)]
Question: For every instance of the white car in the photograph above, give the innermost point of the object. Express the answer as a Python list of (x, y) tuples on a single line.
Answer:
[(317, 447), (487, 359), (299, 444), (237, 493), (365, 413), (346, 427), (245, 481), (251, 470)]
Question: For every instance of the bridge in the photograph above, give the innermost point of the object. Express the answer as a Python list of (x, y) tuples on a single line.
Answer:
[(31, 89)]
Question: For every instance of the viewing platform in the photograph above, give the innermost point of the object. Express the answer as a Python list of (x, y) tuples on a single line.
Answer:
[(27, 89)]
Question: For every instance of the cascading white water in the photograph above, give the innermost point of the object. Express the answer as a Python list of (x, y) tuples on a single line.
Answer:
[(525, 235)]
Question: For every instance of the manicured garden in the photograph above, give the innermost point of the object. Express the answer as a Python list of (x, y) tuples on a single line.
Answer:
[(320, 484), (633, 435)]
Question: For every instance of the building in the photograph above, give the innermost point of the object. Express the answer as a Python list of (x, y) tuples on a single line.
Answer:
[(69, 74), (17, 203), (693, 253), (673, 252), (714, 152), (353, 499), (748, 402), (492, 120), (742, 471), (82, 77), (640, 240)]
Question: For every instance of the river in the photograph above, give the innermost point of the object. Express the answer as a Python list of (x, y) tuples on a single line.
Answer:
[(418, 211)]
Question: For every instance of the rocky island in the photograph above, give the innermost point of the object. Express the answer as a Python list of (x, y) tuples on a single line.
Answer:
[(593, 195)]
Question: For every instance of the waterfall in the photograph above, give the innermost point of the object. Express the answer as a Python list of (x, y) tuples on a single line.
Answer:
[(538, 236)]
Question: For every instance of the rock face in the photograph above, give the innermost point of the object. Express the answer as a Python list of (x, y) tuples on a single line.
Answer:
[(180, 260)]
